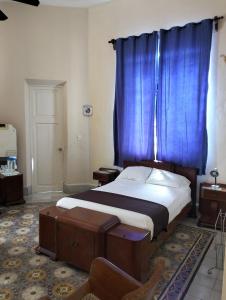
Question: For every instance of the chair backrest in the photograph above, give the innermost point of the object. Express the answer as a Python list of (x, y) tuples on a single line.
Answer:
[(147, 290), (116, 282)]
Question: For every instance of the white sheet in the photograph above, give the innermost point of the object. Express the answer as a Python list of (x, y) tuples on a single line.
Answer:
[(174, 199)]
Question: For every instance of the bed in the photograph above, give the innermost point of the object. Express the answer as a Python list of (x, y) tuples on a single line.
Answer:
[(174, 198), (153, 213)]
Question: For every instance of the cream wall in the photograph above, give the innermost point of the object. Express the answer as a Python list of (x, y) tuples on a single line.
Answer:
[(122, 18), (71, 45), (46, 43)]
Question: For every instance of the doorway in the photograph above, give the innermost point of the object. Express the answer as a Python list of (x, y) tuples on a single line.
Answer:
[(46, 111)]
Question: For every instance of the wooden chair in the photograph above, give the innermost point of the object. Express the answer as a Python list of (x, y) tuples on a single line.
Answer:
[(108, 282)]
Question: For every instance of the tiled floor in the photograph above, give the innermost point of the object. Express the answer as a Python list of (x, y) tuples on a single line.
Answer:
[(204, 286), (45, 197)]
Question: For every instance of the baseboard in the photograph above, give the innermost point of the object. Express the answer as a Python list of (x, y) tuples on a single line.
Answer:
[(67, 188), (77, 187), (27, 190)]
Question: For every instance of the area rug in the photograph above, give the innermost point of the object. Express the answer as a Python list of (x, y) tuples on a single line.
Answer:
[(25, 275)]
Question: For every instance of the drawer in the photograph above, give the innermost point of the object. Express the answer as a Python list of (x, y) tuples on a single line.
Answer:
[(213, 194), (101, 176), (209, 207)]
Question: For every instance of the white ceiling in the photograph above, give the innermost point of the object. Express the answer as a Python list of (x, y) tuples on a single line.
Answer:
[(69, 3)]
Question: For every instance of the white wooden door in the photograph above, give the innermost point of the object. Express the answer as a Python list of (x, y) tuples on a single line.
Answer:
[(47, 138)]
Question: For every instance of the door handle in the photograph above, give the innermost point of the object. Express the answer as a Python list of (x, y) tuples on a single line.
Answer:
[(60, 149)]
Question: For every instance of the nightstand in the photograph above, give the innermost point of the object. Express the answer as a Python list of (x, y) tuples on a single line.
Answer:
[(105, 175), (210, 203), (11, 190)]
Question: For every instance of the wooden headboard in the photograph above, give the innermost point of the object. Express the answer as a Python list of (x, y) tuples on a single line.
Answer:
[(189, 173), (151, 164)]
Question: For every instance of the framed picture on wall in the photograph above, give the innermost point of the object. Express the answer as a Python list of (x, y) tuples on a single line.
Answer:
[(87, 110)]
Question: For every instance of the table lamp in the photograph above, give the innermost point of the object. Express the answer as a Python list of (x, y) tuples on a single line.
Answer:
[(214, 173)]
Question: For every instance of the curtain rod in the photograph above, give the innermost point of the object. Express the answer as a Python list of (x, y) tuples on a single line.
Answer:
[(216, 19)]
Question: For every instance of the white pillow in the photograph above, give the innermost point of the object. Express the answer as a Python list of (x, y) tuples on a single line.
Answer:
[(166, 178), (137, 173)]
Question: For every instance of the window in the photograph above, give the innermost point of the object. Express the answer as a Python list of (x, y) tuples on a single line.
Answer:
[(170, 124)]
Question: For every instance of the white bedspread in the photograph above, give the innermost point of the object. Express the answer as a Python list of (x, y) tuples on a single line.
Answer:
[(174, 199)]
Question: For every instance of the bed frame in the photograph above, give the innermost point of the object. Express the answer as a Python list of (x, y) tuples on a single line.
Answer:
[(137, 263), (128, 247)]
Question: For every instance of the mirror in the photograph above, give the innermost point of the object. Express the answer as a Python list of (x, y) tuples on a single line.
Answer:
[(8, 142)]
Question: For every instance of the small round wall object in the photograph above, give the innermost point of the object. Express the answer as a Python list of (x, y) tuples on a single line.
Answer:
[(87, 110)]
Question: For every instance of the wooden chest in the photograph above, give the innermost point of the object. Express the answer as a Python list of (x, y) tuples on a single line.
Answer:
[(129, 248), (47, 230), (81, 236)]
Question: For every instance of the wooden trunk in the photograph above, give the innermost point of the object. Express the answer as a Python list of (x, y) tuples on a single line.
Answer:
[(81, 236), (47, 230), (129, 248)]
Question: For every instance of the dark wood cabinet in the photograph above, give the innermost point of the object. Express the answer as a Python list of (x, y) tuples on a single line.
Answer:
[(210, 203), (11, 190)]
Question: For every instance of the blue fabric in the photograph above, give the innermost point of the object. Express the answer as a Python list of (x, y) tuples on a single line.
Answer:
[(182, 96), (135, 98)]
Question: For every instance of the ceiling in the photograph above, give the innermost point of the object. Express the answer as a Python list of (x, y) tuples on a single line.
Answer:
[(69, 3)]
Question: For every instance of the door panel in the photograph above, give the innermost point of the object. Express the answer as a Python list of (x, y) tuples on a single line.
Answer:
[(45, 103)]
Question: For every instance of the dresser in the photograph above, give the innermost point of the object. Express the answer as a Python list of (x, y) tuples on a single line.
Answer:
[(11, 190), (210, 203)]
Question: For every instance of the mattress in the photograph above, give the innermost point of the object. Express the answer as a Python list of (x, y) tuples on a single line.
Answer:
[(174, 199)]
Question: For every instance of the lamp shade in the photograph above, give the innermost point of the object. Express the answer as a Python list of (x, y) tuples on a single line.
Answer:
[(29, 2), (214, 173), (3, 17)]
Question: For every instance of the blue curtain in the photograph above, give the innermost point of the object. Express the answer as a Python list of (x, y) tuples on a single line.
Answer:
[(182, 94), (135, 97)]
